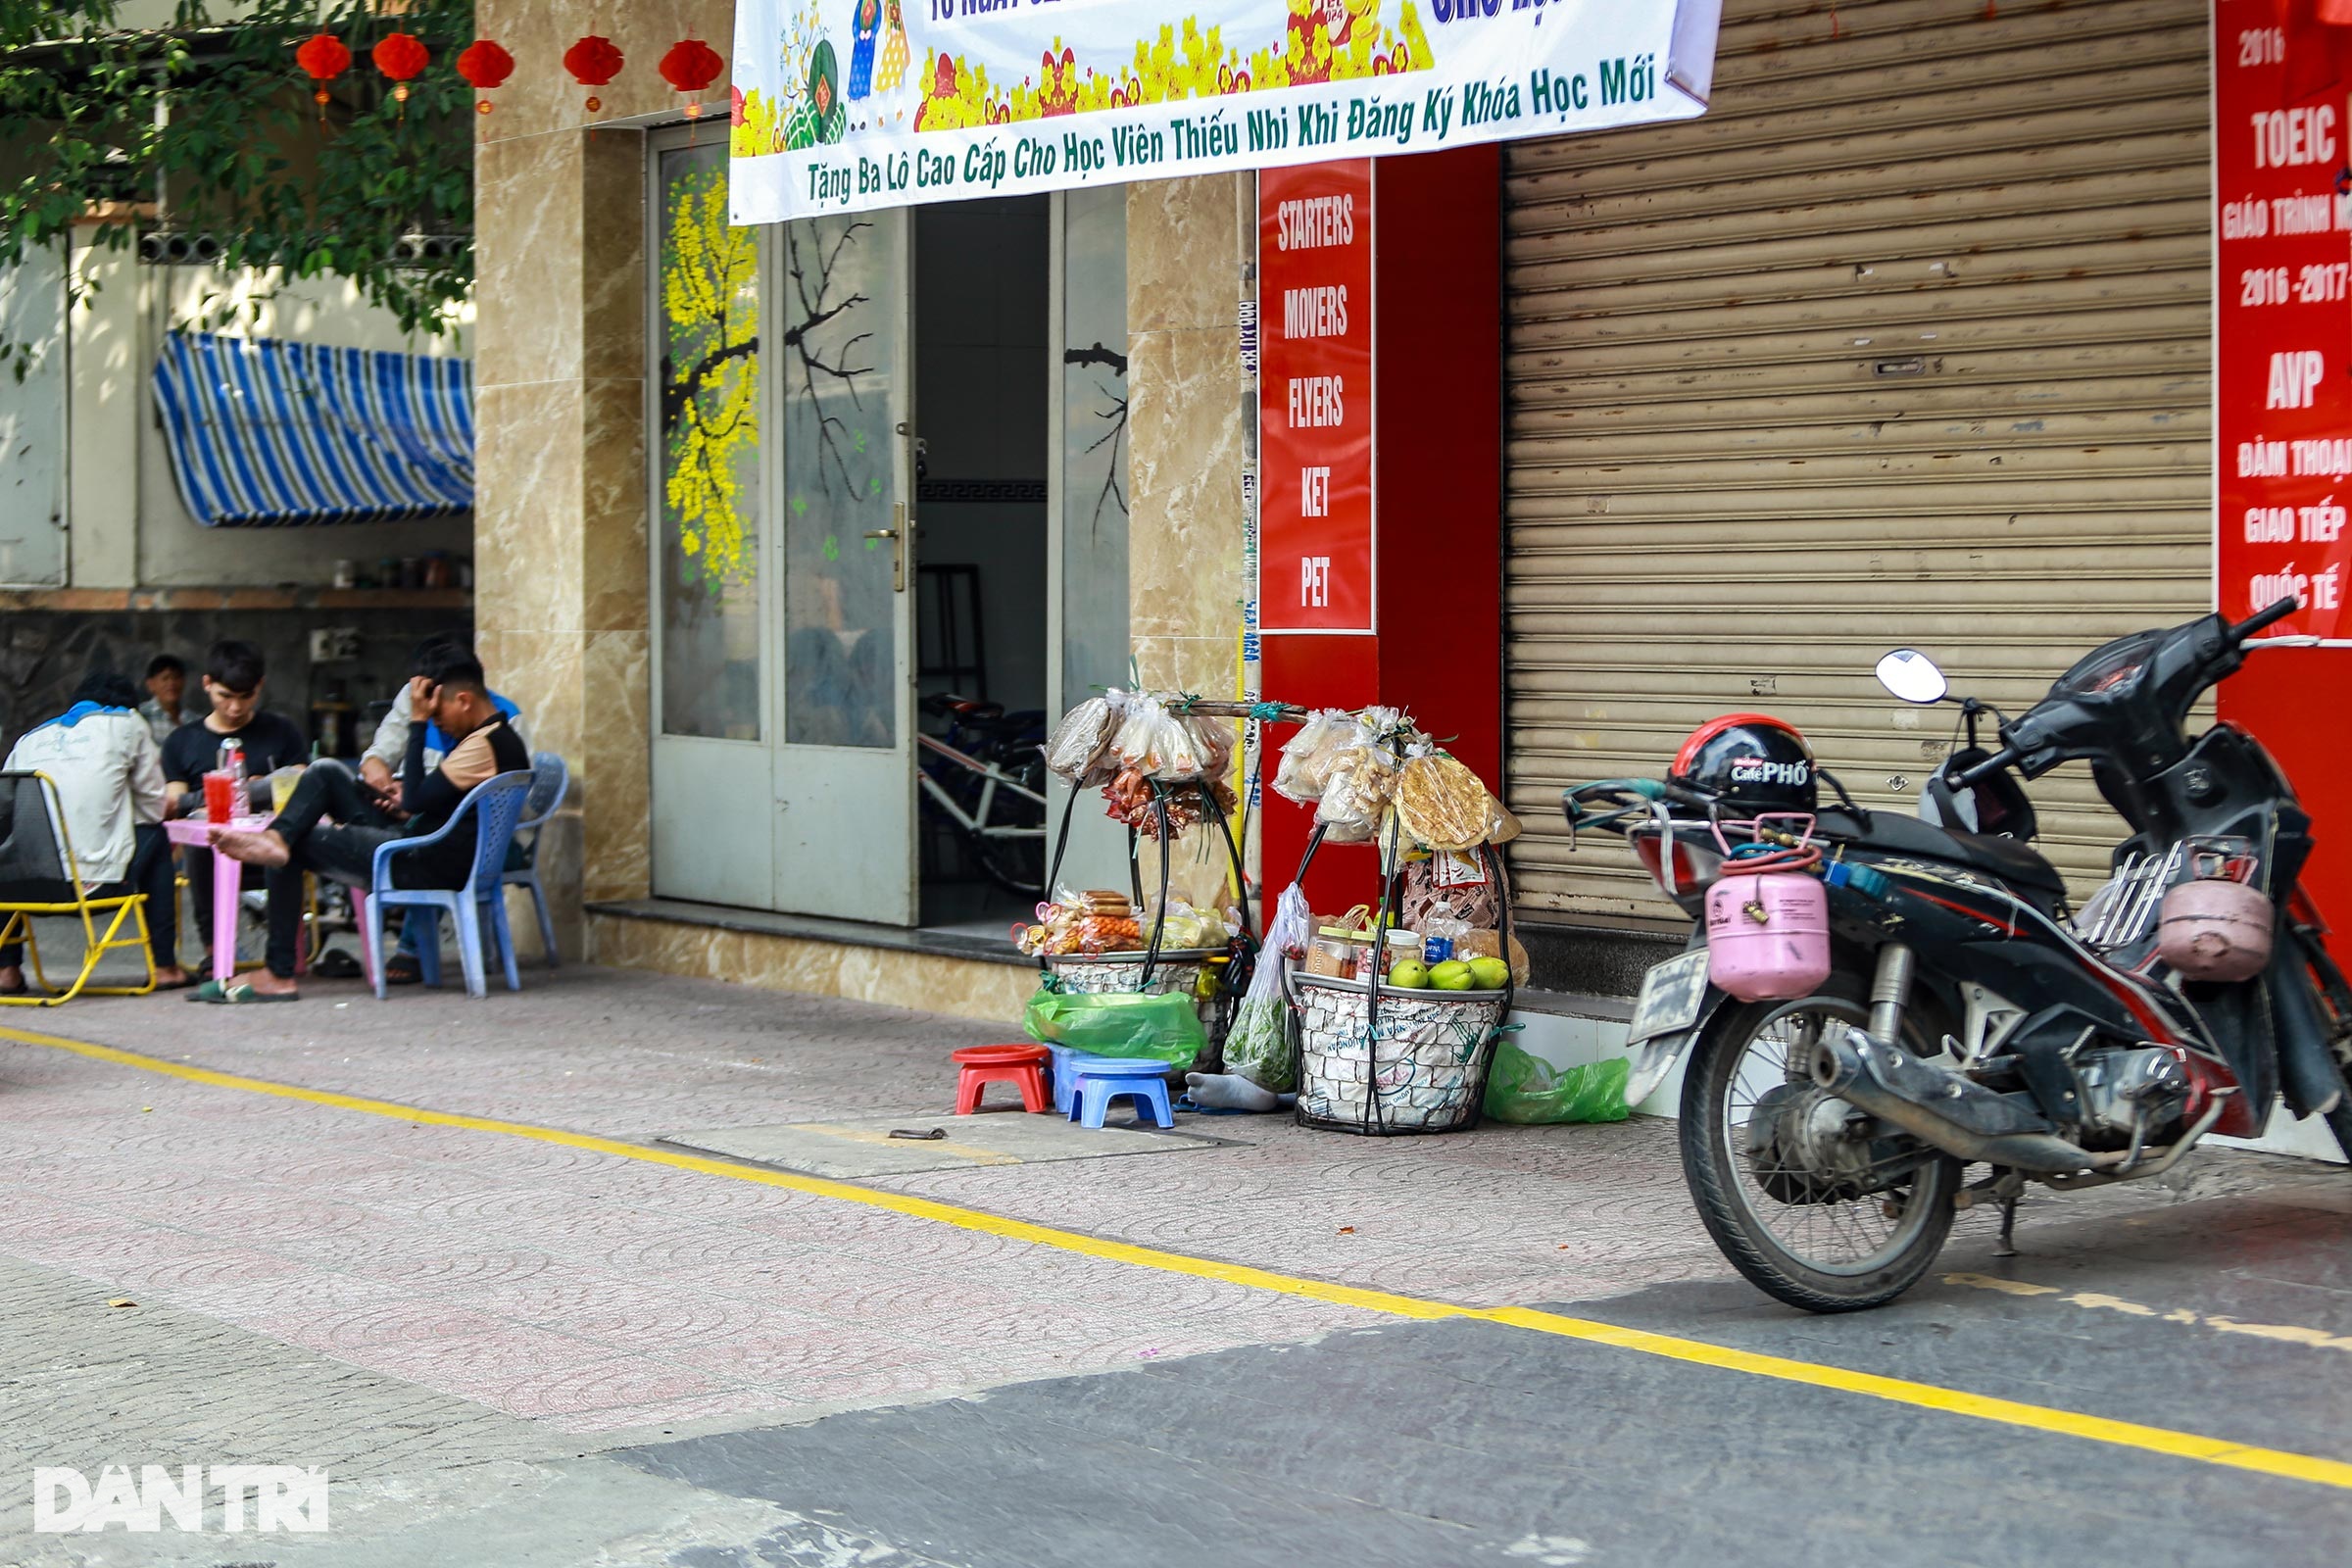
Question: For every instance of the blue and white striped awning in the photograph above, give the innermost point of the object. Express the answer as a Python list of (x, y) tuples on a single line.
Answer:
[(267, 431)]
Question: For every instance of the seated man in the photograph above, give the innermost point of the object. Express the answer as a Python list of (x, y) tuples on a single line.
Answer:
[(233, 674), (380, 770), (110, 790), (331, 827), (165, 707)]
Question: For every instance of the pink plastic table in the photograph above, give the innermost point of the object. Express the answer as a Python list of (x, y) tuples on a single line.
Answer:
[(228, 880)]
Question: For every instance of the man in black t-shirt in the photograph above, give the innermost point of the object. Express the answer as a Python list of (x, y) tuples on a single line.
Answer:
[(330, 827), (232, 682)]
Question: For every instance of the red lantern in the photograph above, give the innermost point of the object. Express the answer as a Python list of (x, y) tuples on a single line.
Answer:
[(691, 66), (593, 62), (484, 66), (322, 57), (399, 57)]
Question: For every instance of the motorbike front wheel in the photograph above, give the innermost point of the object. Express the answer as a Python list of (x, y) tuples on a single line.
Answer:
[(1826, 1241)]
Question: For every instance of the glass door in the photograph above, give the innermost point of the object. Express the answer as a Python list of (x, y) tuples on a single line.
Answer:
[(842, 377), (712, 737)]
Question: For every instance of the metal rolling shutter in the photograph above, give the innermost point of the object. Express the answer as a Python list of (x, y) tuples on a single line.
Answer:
[(1905, 342)]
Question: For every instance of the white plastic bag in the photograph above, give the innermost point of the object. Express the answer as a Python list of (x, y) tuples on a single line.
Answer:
[(1307, 759), (1158, 745), (1258, 1044), (1080, 744)]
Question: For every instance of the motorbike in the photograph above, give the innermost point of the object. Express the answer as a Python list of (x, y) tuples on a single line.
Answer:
[(1872, 1001)]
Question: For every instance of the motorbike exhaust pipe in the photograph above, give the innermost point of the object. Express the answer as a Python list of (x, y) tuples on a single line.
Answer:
[(1961, 1117)]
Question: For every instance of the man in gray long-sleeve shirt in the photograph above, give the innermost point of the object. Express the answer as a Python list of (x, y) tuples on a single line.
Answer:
[(380, 764)]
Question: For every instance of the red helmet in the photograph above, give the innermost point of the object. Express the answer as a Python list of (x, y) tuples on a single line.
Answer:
[(1750, 761)]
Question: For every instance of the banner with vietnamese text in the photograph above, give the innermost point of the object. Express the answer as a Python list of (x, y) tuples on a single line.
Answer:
[(846, 105)]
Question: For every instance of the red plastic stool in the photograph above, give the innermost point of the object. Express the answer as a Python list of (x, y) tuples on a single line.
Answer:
[(1018, 1065)]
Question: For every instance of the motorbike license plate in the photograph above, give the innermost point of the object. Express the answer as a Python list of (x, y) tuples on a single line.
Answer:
[(1671, 996)]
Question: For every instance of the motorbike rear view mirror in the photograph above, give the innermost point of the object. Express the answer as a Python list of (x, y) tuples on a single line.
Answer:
[(1913, 676)]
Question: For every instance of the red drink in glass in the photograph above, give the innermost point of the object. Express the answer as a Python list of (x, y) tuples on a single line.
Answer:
[(219, 796)]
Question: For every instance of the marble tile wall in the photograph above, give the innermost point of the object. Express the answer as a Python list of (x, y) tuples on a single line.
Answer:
[(1188, 426), (1190, 433), (559, 549)]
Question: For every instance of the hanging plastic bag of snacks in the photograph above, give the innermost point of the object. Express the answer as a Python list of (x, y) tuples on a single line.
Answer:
[(1307, 759), (1356, 794), (1080, 747), (1155, 742), (1442, 803)]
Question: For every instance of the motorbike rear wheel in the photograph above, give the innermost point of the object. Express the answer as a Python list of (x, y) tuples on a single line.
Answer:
[(1832, 1254)]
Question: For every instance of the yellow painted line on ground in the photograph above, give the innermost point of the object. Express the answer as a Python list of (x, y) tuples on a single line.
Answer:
[(1667, 1346)]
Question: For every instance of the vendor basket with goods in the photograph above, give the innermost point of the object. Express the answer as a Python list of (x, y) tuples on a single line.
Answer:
[(1397, 1006), (1161, 769)]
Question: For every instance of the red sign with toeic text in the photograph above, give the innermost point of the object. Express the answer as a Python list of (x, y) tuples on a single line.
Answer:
[(2283, 390), (1314, 249), (2282, 393)]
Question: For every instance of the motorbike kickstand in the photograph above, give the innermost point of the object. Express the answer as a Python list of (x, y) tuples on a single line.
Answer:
[(2006, 1245)]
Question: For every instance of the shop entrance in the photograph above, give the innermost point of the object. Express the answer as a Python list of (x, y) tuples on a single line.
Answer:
[(854, 555), (982, 295)]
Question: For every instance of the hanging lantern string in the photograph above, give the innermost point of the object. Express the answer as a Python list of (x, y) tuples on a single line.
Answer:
[(322, 57), (401, 57), (594, 60), (484, 66), (691, 66)]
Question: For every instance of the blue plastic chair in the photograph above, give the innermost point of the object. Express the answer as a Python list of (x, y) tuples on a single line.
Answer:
[(549, 781), (497, 804)]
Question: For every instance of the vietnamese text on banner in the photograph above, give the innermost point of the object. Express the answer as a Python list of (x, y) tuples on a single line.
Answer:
[(844, 104)]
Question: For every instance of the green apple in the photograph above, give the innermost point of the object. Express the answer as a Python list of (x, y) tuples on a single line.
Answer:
[(1490, 974), (1408, 974), (1451, 975)]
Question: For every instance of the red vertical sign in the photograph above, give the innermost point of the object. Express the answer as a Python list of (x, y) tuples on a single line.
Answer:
[(2282, 388), (2282, 393), (1314, 411)]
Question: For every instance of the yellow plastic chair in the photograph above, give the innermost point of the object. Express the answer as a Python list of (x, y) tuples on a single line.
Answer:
[(37, 855)]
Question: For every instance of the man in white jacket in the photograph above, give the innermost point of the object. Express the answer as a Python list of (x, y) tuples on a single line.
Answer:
[(110, 788)]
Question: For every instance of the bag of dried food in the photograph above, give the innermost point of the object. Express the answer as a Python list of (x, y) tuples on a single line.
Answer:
[(1155, 742), (1442, 803), (1307, 758), (1079, 748), (1356, 794)]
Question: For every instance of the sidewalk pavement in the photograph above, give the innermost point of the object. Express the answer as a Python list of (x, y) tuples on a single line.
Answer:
[(599, 1294), (422, 1303)]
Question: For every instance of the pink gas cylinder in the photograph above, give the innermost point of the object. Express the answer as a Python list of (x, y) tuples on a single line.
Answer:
[(1767, 926)]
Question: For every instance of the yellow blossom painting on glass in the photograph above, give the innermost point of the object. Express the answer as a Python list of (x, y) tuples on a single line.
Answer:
[(709, 376)]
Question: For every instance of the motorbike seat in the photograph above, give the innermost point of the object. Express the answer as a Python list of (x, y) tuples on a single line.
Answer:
[(2018, 867)]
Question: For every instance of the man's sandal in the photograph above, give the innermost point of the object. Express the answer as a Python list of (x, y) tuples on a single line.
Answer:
[(238, 994)]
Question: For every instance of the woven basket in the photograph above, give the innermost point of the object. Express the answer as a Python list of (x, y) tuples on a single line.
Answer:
[(1094, 974), (1425, 1072)]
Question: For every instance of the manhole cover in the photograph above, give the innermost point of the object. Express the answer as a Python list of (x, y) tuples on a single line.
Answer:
[(849, 1151)]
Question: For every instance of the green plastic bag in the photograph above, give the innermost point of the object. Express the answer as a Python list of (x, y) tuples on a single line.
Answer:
[(1526, 1089), (1258, 1044), (1120, 1024)]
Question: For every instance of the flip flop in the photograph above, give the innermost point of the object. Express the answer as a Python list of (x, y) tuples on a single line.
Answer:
[(238, 994), (183, 983)]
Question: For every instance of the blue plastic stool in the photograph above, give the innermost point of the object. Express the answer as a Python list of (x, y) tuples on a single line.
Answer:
[(1065, 1076), (1097, 1081)]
